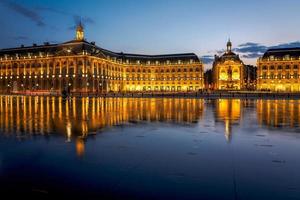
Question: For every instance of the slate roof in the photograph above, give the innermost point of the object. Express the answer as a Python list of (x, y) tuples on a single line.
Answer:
[(75, 47), (280, 53)]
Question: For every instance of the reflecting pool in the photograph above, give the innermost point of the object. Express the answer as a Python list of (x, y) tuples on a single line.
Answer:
[(149, 148)]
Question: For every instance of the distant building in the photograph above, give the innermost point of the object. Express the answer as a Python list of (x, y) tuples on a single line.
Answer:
[(278, 70), (250, 77), (228, 71), (81, 66)]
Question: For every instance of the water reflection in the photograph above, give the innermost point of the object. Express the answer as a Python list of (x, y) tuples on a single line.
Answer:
[(77, 118), (279, 114), (228, 111), (28, 116), (119, 146)]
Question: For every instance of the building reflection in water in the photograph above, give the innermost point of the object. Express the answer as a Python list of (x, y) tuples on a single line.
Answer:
[(228, 111), (76, 118), (279, 113)]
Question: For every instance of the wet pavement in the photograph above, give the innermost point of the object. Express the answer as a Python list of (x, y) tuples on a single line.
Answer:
[(149, 148)]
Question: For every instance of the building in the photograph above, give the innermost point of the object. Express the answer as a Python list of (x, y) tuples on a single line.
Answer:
[(81, 66), (278, 70), (228, 71)]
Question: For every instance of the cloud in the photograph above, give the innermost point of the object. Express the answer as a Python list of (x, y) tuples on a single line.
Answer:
[(249, 50), (286, 45), (82, 20), (252, 55), (207, 59), (53, 10), (25, 12), (20, 38), (77, 19), (255, 50)]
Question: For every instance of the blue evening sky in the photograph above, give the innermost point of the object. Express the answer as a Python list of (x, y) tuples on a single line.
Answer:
[(156, 26)]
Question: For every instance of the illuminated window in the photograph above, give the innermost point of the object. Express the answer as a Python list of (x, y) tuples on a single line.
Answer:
[(272, 67), (264, 67), (235, 75), (223, 75), (287, 67), (279, 76), (286, 57), (295, 66), (264, 76), (279, 67), (295, 75)]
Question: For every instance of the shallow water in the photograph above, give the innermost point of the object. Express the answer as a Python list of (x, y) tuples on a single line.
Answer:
[(150, 148)]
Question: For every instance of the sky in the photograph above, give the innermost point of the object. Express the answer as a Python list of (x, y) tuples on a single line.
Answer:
[(156, 26)]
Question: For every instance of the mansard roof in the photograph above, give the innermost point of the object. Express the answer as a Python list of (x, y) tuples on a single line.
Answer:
[(75, 47), (280, 53)]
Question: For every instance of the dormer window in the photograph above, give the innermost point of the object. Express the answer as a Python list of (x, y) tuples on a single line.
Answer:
[(168, 62), (148, 62), (127, 61), (191, 61), (287, 57), (138, 62), (271, 57), (179, 61), (157, 62)]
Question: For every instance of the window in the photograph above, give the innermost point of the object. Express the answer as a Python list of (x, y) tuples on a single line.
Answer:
[(286, 57), (264, 76), (279, 76), (295, 75), (287, 67), (272, 75), (264, 67), (287, 76), (295, 66), (279, 67), (272, 67)]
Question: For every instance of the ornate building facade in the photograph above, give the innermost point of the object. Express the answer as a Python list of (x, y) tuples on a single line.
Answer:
[(228, 71), (278, 70), (81, 66)]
